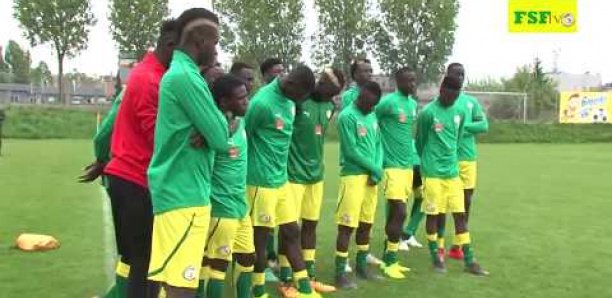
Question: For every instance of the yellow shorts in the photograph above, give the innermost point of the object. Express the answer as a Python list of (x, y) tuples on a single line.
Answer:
[(308, 199), (442, 196), (467, 172), (270, 207), (179, 238), (398, 184), (356, 201), (227, 236)]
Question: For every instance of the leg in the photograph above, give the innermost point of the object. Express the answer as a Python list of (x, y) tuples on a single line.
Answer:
[(176, 292), (309, 244), (290, 233), (398, 188), (342, 247), (433, 206), (261, 235), (393, 229), (467, 195), (244, 254), (122, 270)]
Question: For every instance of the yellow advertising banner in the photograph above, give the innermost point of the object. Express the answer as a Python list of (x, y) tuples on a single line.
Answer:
[(585, 107), (543, 16)]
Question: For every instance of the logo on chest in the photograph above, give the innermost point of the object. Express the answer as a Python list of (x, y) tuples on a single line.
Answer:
[(279, 123), (438, 127), (233, 152), (318, 130), (362, 131)]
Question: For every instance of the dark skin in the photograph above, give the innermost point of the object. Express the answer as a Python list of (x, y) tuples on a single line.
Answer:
[(457, 71), (324, 92), (406, 84), (363, 73), (274, 72), (365, 103), (165, 47), (233, 107), (291, 87), (212, 73), (247, 75)]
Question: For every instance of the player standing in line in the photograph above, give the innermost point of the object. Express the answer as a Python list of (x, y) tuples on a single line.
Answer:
[(180, 175), (439, 129), (271, 69), (306, 166), (361, 72), (269, 125), (396, 114), (231, 231), (244, 72), (361, 170), (416, 214), (131, 148)]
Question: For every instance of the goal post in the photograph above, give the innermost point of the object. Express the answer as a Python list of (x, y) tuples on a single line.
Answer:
[(502, 105)]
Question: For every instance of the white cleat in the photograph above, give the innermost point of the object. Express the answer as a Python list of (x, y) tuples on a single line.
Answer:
[(348, 268), (414, 243), (403, 245), (372, 260)]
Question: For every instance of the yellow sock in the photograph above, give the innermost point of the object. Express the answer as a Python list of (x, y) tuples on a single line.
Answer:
[(308, 254), (259, 279), (283, 261), (216, 274), (122, 269), (342, 254), (364, 247), (432, 237), (462, 239), (392, 246), (204, 273), (441, 242)]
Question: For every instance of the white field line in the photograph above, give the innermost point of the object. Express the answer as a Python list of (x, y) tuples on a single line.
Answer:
[(109, 237)]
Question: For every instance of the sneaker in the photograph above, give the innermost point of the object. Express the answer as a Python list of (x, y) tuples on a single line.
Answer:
[(273, 264), (321, 287), (455, 253), (367, 274), (372, 260), (287, 291), (402, 268), (439, 266), (413, 242), (475, 269), (314, 294), (404, 246), (270, 276), (392, 271), (348, 268), (344, 282), (265, 295), (441, 254)]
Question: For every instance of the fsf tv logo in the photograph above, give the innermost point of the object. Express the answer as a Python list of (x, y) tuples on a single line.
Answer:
[(542, 16)]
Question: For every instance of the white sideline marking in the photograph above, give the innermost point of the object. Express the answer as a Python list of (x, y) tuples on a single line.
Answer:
[(109, 238)]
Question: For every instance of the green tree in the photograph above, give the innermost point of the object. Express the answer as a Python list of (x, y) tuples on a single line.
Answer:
[(62, 23), (19, 62), (258, 29), (344, 27), (41, 75), (135, 23), (540, 88), (415, 33)]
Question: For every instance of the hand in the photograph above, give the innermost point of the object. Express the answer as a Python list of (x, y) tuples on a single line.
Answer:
[(92, 172), (197, 141)]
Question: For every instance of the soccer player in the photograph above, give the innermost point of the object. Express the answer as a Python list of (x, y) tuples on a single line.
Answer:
[(306, 167), (439, 129), (131, 149), (361, 171), (416, 214), (271, 69), (244, 72), (269, 125), (180, 175), (361, 72), (476, 123), (231, 231), (396, 113)]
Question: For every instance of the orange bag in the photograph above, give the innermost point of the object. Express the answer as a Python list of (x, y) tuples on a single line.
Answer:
[(35, 242)]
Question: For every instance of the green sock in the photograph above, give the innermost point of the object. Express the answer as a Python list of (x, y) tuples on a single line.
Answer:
[(259, 290), (340, 265), (432, 245), (214, 288), (390, 256), (243, 285), (120, 286), (416, 216), (285, 274), (468, 254), (362, 263), (201, 291), (441, 231), (310, 267), (303, 286), (112, 292)]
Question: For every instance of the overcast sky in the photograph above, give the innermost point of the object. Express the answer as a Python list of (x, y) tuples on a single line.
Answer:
[(482, 43)]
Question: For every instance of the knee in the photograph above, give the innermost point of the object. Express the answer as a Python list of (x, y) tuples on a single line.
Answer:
[(289, 233)]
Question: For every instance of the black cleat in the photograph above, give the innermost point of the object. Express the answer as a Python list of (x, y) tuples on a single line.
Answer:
[(475, 269), (367, 274), (344, 282), (439, 266)]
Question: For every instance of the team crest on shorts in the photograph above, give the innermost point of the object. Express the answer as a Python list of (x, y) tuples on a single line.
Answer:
[(346, 219), (318, 130), (265, 218), (225, 250), (189, 274), (430, 207)]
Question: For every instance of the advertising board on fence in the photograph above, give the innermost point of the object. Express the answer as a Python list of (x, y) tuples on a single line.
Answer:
[(585, 107)]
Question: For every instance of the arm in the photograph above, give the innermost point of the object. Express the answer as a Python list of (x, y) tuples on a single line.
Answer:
[(103, 136), (479, 122), (199, 106), (253, 116), (348, 140), (420, 139), (146, 108)]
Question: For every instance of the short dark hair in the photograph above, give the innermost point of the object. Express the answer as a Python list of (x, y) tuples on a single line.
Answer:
[(193, 14), (373, 87), (238, 66), (168, 28), (304, 75), (452, 83), (268, 64), (403, 70), (454, 64), (224, 86), (355, 64)]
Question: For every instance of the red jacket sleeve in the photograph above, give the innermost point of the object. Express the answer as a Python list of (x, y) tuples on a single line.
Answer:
[(146, 108)]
